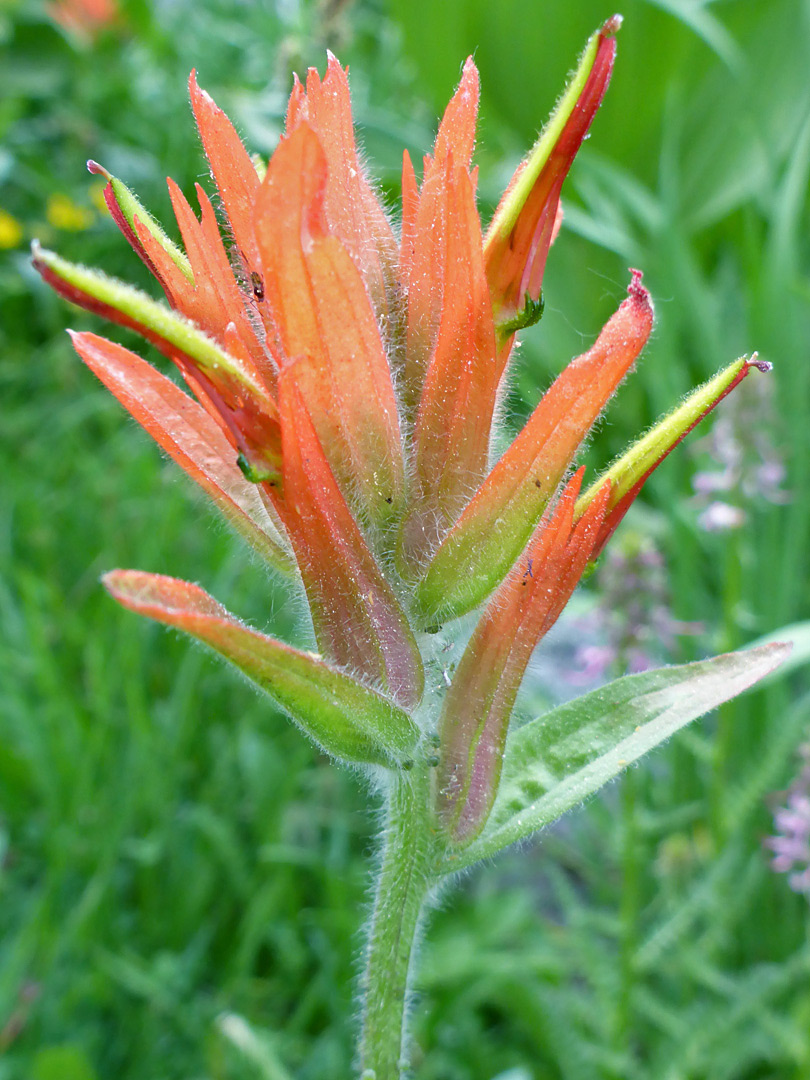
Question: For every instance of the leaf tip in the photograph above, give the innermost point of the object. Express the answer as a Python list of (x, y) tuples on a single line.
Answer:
[(779, 650)]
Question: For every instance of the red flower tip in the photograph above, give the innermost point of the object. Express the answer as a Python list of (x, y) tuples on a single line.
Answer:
[(635, 288)]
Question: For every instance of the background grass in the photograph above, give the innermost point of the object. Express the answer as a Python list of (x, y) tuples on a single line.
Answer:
[(181, 877)]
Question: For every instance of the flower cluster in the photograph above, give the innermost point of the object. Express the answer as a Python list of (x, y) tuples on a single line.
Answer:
[(345, 380)]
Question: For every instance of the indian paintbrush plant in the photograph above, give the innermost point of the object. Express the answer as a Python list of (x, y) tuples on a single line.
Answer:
[(345, 378)]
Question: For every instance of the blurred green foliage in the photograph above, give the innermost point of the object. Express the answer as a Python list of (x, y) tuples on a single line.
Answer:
[(181, 877)]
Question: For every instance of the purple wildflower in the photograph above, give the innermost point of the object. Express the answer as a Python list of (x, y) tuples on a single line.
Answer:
[(632, 628), (791, 844)]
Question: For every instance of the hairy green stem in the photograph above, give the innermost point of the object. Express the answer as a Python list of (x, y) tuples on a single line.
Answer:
[(404, 881)]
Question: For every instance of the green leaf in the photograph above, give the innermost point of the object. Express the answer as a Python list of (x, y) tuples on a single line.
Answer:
[(343, 716), (556, 761)]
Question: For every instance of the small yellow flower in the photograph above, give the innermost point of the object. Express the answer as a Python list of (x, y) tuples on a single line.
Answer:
[(63, 213), (11, 231)]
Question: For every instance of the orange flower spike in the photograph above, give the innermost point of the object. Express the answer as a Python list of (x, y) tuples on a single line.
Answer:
[(358, 620), (452, 430), (238, 184), (360, 385), (423, 253), (455, 137), (353, 211), (289, 217), (422, 274), (479, 702), (291, 338), (496, 524), (524, 223)]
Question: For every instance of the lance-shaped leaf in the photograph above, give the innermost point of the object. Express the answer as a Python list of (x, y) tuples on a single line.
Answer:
[(425, 224), (479, 703), (324, 317), (358, 621), (125, 209), (339, 713), (354, 212), (190, 436), (454, 421), (628, 474), (522, 229), (226, 381), (555, 762), (494, 528)]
